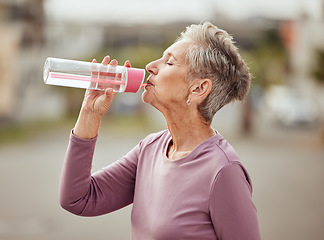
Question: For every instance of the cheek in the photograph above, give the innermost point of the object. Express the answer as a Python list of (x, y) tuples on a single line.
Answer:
[(173, 94)]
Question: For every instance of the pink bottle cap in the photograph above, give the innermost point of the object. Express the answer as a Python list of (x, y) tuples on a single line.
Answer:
[(135, 79)]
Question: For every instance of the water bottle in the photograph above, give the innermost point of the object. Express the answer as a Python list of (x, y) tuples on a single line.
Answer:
[(88, 75)]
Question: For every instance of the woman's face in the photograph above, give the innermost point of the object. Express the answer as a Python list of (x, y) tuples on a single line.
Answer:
[(168, 87)]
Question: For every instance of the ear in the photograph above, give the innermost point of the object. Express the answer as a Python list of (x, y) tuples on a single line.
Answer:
[(200, 90)]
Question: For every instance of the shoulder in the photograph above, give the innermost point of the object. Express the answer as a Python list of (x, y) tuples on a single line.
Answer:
[(230, 165), (225, 149), (232, 186), (218, 152), (232, 173), (223, 162), (155, 138)]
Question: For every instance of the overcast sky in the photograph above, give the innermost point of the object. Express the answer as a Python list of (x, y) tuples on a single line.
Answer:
[(153, 11)]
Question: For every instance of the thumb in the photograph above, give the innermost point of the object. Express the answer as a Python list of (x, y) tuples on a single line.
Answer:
[(109, 92), (109, 95), (107, 99)]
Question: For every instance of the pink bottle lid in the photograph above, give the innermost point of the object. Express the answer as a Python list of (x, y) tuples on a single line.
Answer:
[(135, 79)]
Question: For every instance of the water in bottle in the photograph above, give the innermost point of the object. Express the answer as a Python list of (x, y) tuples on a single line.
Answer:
[(88, 75)]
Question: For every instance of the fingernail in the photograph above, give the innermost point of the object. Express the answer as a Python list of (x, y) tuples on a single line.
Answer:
[(109, 91)]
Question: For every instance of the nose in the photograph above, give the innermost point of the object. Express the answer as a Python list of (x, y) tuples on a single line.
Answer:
[(152, 67)]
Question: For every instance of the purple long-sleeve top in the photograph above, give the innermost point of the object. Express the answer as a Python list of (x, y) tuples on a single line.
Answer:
[(205, 195)]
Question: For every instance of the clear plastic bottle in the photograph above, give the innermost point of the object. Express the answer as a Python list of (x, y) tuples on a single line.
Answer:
[(80, 74)]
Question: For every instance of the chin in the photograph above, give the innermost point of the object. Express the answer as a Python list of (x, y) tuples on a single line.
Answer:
[(145, 97)]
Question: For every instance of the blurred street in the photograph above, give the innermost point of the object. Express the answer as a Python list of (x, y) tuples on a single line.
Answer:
[(286, 166)]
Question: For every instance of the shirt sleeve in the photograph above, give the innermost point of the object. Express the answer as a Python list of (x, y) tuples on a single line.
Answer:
[(107, 190), (233, 213)]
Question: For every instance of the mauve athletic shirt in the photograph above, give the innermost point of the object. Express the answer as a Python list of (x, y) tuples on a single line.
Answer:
[(205, 195)]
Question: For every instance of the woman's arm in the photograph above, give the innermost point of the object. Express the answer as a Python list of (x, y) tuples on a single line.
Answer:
[(233, 213), (80, 192), (105, 191)]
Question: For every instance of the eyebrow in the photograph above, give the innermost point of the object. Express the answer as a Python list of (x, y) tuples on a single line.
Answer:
[(169, 54)]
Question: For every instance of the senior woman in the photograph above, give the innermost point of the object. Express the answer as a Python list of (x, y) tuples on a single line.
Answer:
[(185, 182)]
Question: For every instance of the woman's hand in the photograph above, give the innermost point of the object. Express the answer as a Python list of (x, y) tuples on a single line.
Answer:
[(95, 104)]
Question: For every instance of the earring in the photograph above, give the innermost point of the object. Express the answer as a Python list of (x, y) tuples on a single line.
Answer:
[(188, 102)]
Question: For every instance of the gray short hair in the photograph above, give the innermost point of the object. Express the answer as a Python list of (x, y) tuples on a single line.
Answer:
[(213, 55)]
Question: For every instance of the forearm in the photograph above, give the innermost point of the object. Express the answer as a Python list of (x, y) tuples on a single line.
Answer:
[(87, 125)]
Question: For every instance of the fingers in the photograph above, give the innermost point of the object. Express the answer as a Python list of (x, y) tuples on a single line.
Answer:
[(127, 64), (106, 60), (113, 63), (106, 71)]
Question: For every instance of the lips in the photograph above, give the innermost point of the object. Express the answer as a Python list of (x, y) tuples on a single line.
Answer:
[(149, 83)]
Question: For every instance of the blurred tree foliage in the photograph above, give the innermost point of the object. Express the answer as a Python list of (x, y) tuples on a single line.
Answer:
[(139, 54), (268, 59), (318, 67)]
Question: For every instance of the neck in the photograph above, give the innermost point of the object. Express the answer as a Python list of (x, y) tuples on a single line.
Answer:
[(187, 131)]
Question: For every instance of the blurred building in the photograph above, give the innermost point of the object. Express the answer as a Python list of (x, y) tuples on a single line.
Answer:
[(22, 26), (303, 38), (32, 30)]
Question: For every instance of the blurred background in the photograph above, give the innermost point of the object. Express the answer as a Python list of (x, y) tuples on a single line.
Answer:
[(278, 131)]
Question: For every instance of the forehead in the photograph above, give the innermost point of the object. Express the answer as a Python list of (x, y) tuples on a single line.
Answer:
[(178, 49)]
